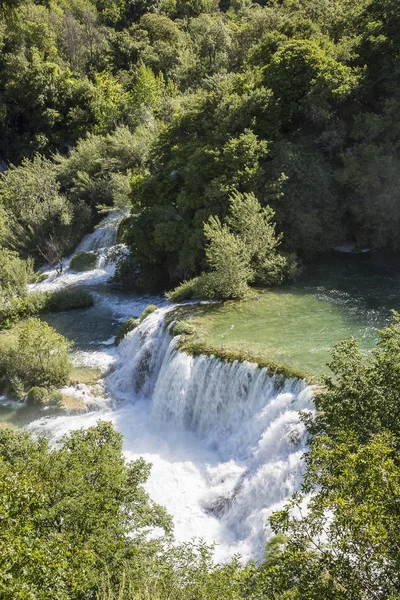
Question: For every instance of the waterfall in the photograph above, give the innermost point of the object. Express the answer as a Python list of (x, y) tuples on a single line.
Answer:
[(242, 416), (102, 241)]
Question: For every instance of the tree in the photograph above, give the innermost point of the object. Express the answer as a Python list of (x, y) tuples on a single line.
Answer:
[(345, 544), (15, 273), (240, 251), (38, 217), (362, 396), (40, 359), (70, 514)]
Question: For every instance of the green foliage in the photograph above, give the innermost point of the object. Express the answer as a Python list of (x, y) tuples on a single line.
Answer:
[(183, 328), (71, 514), (346, 544), (83, 261), (242, 250), (15, 273), (342, 532), (13, 308), (184, 291), (40, 359), (38, 395), (42, 396), (363, 394), (70, 298), (38, 217), (147, 311)]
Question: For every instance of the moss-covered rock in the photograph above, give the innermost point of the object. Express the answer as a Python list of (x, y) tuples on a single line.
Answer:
[(133, 322), (183, 328), (195, 348), (83, 261), (125, 328)]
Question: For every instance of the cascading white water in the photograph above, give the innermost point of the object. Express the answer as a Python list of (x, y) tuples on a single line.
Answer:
[(102, 241), (246, 419), (225, 440)]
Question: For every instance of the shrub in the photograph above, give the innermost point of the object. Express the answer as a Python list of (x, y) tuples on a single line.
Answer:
[(184, 291), (40, 359), (239, 251), (38, 395), (147, 311), (15, 273), (15, 308), (83, 261), (69, 299), (39, 277), (42, 396)]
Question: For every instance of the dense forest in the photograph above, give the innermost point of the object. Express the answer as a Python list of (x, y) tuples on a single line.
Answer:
[(170, 107), (238, 140)]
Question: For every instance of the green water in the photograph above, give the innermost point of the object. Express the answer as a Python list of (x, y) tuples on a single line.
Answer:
[(298, 324)]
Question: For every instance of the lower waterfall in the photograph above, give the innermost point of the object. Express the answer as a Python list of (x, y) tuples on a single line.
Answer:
[(243, 419)]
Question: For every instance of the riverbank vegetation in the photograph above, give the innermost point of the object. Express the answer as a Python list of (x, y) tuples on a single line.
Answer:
[(172, 108), (132, 323), (35, 357)]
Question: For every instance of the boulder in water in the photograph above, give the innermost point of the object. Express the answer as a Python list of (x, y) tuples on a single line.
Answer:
[(83, 261)]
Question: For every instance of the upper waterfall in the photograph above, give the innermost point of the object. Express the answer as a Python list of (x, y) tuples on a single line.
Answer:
[(103, 241), (247, 418)]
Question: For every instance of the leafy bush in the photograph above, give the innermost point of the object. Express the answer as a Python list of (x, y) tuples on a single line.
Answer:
[(42, 396), (38, 395), (39, 277), (184, 291), (14, 308), (239, 251), (40, 359), (147, 311), (69, 299), (83, 261), (15, 273), (75, 512), (133, 322)]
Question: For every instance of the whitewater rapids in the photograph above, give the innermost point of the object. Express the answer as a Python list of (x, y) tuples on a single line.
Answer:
[(225, 440)]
